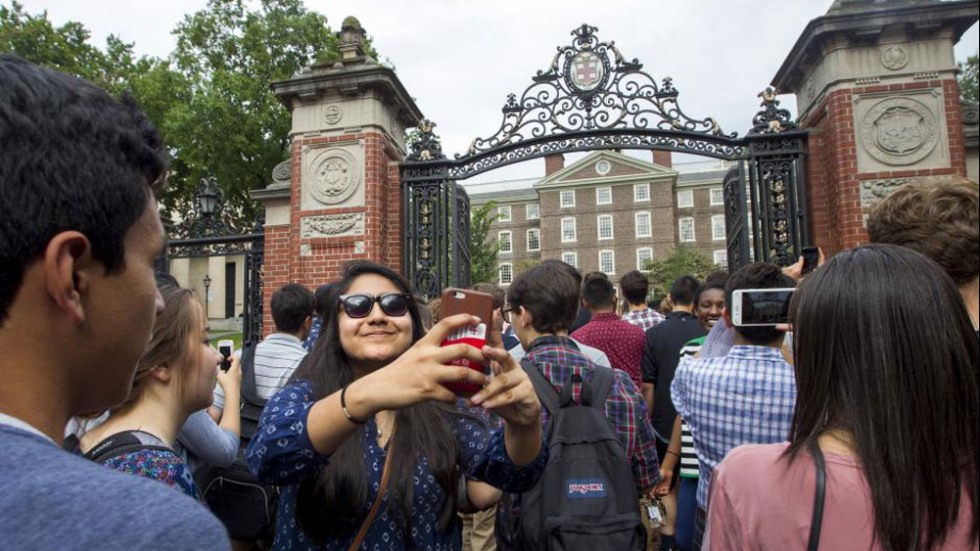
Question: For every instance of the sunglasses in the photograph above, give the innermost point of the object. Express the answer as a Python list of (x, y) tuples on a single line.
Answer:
[(360, 306)]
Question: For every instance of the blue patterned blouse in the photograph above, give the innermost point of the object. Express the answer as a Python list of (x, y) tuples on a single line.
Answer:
[(165, 466), (281, 453)]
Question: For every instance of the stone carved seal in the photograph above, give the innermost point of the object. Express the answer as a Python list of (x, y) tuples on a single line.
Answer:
[(900, 131), (333, 225), (335, 177), (894, 57), (873, 191), (333, 114)]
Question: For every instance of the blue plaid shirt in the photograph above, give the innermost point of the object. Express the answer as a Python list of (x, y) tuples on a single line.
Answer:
[(746, 397)]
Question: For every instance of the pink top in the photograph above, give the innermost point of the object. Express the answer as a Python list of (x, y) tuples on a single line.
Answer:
[(759, 502)]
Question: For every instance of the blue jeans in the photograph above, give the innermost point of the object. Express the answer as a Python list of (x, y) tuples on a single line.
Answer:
[(687, 505)]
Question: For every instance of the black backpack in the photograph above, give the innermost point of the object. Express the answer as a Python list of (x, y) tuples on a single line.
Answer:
[(586, 499), (246, 506), (123, 443)]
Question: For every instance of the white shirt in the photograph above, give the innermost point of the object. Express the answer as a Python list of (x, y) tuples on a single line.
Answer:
[(18, 424)]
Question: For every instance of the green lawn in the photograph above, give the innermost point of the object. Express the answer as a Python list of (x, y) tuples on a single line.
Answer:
[(225, 335)]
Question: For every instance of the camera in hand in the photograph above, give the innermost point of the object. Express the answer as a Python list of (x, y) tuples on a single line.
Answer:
[(226, 349), (761, 307)]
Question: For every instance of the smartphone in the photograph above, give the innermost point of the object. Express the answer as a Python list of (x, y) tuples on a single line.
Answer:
[(761, 307), (226, 349), (458, 301), (811, 259)]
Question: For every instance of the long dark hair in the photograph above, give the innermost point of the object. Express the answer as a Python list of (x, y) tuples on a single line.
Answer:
[(333, 502), (885, 349)]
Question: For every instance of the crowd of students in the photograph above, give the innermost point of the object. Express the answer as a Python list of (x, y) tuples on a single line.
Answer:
[(859, 432)]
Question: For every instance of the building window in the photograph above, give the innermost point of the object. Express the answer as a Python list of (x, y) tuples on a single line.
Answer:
[(603, 167), (505, 214), (570, 258), (567, 199), (721, 259), (568, 232), (718, 230), (687, 230), (607, 262), (643, 257), (506, 274), (644, 225), (506, 241), (641, 193), (603, 196), (685, 199), (605, 223), (533, 211), (717, 197), (533, 240)]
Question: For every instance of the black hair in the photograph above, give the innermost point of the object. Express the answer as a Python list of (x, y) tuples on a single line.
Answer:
[(759, 275), (636, 287), (291, 305), (568, 268), (684, 290), (712, 284), (550, 293), (72, 158), (886, 350), (599, 293), (321, 297), (333, 501)]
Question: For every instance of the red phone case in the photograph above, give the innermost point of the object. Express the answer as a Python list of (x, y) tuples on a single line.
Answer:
[(458, 301)]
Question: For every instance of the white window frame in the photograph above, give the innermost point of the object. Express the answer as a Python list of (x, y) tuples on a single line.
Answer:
[(561, 199), (574, 257), (636, 194), (509, 217), (510, 241), (612, 227), (715, 221), (532, 215), (636, 220), (680, 230), (500, 274), (722, 254), (529, 233), (640, 264), (574, 238), (685, 204), (613, 256), (598, 193), (721, 202)]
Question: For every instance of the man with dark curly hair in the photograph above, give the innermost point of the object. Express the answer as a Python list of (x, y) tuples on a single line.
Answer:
[(939, 218)]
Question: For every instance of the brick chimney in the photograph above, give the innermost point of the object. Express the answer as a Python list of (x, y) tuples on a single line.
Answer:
[(553, 164), (663, 158)]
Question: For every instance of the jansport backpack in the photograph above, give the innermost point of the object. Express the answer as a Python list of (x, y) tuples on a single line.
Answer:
[(246, 506), (586, 499)]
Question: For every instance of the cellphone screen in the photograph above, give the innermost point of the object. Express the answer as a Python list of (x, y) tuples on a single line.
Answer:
[(765, 307), (811, 257), (225, 351)]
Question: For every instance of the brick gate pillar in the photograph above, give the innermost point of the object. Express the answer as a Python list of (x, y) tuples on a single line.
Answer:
[(876, 86), (339, 197)]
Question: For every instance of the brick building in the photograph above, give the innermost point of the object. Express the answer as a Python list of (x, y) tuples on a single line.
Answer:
[(608, 212)]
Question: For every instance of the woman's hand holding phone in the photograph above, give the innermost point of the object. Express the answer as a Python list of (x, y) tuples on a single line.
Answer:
[(231, 379)]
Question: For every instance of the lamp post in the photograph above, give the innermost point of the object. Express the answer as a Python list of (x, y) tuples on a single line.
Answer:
[(208, 195), (207, 294)]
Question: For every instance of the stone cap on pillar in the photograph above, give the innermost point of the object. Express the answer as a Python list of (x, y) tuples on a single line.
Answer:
[(351, 73), (865, 21)]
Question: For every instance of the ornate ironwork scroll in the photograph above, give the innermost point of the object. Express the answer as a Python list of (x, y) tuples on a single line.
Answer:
[(772, 119), (737, 218), (777, 174)]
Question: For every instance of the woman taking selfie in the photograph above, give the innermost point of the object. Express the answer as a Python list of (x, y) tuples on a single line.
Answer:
[(367, 444), (174, 379), (888, 412)]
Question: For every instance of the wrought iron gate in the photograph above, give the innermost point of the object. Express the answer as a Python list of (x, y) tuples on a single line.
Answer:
[(592, 98), (205, 233)]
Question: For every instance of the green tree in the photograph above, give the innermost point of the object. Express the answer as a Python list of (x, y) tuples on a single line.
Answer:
[(683, 261), (969, 79), (483, 250)]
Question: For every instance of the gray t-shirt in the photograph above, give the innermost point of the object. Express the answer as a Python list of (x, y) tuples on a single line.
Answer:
[(51, 499)]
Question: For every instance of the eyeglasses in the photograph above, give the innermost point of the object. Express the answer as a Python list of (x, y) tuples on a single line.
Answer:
[(360, 306), (506, 314)]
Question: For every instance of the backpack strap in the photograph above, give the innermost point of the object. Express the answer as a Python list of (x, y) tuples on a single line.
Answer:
[(125, 443), (545, 390), (602, 383), (821, 492), (250, 392)]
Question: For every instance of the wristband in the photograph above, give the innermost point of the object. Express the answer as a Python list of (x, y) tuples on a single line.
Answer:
[(675, 454), (343, 407)]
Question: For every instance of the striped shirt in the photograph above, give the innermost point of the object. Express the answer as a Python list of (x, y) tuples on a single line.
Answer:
[(559, 359), (690, 466), (645, 319), (276, 359), (746, 397)]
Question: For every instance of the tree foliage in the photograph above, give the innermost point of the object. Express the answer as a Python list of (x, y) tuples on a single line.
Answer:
[(211, 97), (483, 250), (683, 261), (969, 79)]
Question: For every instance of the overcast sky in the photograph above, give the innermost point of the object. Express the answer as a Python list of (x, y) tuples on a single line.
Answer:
[(460, 58)]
